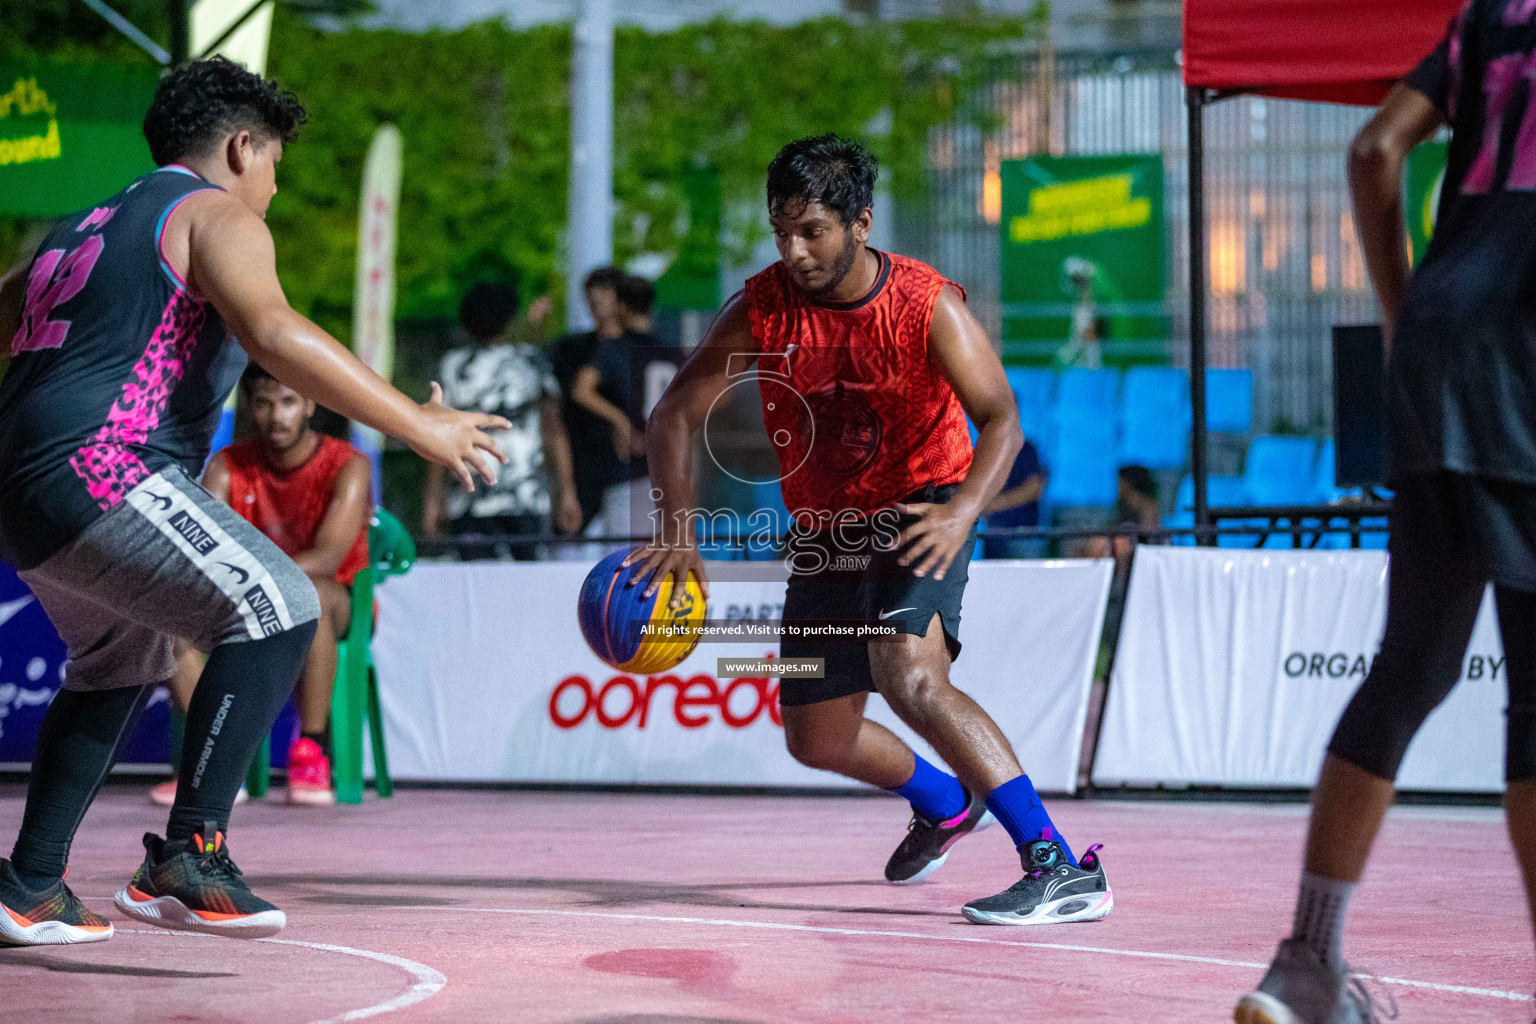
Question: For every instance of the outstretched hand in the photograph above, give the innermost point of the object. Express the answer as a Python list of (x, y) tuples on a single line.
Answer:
[(458, 440)]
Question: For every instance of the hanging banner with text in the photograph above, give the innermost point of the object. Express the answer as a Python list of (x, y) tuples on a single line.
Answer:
[(373, 295), (70, 135), (1083, 235), (484, 676), (1234, 666)]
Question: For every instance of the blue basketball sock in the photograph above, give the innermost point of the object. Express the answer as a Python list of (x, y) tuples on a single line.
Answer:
[(936, 795), (1016, 804)]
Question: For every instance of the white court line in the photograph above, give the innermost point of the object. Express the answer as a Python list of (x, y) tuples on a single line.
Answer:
[(1466, 990), (428, 983)]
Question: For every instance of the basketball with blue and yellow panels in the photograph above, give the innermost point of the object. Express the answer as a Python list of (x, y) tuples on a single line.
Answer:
[(613, 610)]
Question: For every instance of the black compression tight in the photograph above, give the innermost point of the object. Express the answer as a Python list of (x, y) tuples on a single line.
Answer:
[(76, 746), (1429, 624), (238, 697)]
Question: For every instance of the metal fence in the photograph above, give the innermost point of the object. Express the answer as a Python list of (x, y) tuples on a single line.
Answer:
[(1284, 261)]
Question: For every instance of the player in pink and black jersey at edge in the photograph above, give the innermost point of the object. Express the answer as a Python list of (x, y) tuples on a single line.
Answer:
[(1461, 394), (124, 328)]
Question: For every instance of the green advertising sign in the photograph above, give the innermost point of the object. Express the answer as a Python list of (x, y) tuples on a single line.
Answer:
[(1421, 194), (1082, 250), (70, 135)]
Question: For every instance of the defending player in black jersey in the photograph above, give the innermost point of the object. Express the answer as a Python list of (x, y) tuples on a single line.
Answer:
[(122, 355), (1461, 391)]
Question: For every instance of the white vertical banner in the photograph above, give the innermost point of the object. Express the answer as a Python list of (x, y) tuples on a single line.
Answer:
[(1234, 667), (373, 303), (212, 21), (483, 675)]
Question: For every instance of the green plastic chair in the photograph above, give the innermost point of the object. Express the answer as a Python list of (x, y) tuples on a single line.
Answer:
[(391, 552)]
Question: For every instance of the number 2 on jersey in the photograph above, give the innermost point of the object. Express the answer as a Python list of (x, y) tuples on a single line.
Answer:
[(56, 277)]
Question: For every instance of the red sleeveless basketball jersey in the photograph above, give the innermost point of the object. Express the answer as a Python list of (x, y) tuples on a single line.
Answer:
[(289, 507), (856, 409)]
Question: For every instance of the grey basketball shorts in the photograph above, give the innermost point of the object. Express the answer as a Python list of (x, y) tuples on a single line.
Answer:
[(170, 560)]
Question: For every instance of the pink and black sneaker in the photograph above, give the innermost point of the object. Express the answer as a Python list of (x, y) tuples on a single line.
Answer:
[(926, 847), (309, 774)]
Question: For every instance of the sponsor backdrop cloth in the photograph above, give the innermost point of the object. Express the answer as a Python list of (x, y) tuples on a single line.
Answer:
[(484, 676), (1234, 666)]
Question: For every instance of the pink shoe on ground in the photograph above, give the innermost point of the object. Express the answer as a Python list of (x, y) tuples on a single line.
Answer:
[(309, 774)]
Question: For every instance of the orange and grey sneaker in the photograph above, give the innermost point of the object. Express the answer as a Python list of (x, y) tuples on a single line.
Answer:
[(195, 886), (309, 774), (45, 917)]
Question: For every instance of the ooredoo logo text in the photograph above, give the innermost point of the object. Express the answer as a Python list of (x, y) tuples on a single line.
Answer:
[(694, 702)]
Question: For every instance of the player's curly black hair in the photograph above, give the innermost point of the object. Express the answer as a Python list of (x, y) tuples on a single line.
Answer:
[(828, 169), (200, 103)]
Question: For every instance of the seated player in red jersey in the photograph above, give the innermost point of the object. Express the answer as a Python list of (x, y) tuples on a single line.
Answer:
[(312, 495)]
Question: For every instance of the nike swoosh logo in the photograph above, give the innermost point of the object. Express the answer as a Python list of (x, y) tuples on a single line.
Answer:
[(159, 498), (9, 609), (895, 611), (244, 576)]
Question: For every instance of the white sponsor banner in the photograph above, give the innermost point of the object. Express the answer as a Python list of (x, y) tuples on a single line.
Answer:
[(484, 675), (1234, 666)]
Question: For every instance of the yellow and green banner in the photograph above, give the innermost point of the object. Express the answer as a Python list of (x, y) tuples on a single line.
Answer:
[(1082, 237), (70, 135)]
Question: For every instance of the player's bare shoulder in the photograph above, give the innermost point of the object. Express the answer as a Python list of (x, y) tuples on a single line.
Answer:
[(211, 217), (732, 327)]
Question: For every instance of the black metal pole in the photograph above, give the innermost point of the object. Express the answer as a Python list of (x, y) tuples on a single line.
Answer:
[(1194, 99), (181, 31)]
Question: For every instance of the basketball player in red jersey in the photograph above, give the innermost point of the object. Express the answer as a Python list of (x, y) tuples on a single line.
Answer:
[(312, 495), (868, 364)]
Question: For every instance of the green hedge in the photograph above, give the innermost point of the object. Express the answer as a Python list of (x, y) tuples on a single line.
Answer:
[(485, 116)]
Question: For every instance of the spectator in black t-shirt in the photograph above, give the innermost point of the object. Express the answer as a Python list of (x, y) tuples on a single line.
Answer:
[(607, 387), (596, 466)]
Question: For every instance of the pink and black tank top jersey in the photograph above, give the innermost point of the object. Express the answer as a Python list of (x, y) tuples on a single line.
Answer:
[(118, 370)]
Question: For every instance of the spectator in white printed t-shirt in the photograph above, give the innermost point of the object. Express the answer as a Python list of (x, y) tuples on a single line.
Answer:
[(511, 380)]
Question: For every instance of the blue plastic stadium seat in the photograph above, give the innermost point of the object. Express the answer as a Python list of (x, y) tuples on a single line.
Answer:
[(1280, 470), (1323, 489), (1034, 391), (1229, 401), (1087, 395), (1155, 418), (768, 496), (1082, 459), (1083, 473), (1219, 491)]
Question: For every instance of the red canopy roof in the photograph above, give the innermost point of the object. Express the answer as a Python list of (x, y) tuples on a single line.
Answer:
[(1343, 51)]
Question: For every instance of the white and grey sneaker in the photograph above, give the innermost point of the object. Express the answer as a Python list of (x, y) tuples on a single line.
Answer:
[(1300, 988), (1052, 891)]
